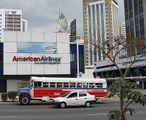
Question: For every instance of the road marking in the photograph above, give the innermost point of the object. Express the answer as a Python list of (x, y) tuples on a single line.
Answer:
[(97, 114)]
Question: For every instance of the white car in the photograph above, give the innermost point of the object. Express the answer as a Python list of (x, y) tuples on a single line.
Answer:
[(75, 99)]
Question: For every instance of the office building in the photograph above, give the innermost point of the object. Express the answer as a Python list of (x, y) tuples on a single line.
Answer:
[(122, 30), (11, 20), (100, 24), (73, 31), (135, 17), (26, 54)]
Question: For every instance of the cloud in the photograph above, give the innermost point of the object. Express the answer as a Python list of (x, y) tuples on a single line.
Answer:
[(121, 11), (42, 15)]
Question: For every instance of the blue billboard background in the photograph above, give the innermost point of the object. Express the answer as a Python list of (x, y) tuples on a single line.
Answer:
[(37, 47)]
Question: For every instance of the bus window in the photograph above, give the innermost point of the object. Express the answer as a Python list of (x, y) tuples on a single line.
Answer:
[(91, 85), (72, 85), (85, 85), (45, 84), (59, 84), (98, 85), (79, 85), (37, 84), (52, 84), (66, 85)]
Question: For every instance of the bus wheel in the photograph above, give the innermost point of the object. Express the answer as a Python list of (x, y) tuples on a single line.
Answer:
[(88, 104), (62, 105), (24, 100)]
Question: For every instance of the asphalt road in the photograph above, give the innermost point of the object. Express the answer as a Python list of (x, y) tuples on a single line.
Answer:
[(48, 112)]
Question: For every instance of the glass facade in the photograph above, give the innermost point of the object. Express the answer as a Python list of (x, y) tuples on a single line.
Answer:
[(96, 30), (100, 27), (2, 82), (90, 33), (73, 56), (135, 18), (1, 58)]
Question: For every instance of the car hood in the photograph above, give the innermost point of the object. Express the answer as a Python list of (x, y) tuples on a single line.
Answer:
[(59, 98)]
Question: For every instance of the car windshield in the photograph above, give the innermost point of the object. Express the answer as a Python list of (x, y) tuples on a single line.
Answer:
[(65, 94)]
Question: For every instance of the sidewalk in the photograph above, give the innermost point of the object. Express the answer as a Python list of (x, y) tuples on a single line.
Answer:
[(106, 99)]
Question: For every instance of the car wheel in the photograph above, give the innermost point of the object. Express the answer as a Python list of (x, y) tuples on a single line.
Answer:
[(24, 100), (62, 105), (87, 104)]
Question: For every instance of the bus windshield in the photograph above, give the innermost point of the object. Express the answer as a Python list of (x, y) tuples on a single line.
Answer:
[(31, 84)]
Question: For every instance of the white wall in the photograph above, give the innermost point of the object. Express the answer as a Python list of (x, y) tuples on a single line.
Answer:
[(12, 85), (11, 40), (88, 73)]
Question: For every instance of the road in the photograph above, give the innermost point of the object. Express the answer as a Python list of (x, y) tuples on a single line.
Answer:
[(48, 112)]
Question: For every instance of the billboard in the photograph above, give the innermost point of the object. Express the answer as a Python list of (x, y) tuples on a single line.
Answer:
[(37, 47), (31, 53)]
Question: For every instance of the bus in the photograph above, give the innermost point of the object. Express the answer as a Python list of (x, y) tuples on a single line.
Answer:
[(41, 87)]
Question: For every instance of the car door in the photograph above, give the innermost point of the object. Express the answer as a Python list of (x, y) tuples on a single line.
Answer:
[(72, 99), (82, 98)]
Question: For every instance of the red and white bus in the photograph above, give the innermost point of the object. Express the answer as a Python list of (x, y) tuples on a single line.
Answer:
[(55, 87)]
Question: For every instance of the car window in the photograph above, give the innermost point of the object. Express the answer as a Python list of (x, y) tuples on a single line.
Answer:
[(72, 95), (82, 94)]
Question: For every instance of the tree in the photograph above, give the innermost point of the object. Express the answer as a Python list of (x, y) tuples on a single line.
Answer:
[(123, 89), (123, 53)]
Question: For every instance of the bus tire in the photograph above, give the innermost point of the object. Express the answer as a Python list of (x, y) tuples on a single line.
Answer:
[(88, 104), (63, 105), (24, 99)]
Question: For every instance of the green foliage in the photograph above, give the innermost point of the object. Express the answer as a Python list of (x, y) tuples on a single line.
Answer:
[(137, 97), (119, 86), (4, 97), (12, 95), (130, 110), (123, 89), (114, 115)]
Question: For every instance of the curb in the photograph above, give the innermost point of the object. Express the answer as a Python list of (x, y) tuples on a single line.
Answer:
[(38, 102), (108, 100), (18, 103)]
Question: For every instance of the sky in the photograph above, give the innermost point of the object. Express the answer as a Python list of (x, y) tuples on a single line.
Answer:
[(42, 15)]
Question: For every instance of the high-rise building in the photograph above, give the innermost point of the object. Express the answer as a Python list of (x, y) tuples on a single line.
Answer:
[(100, 22), (135, 17), (11, 20), (24, 25), (73, 31), (122, 30)]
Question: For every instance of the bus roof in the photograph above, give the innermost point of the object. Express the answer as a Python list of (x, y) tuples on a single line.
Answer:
[(80, 80)]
